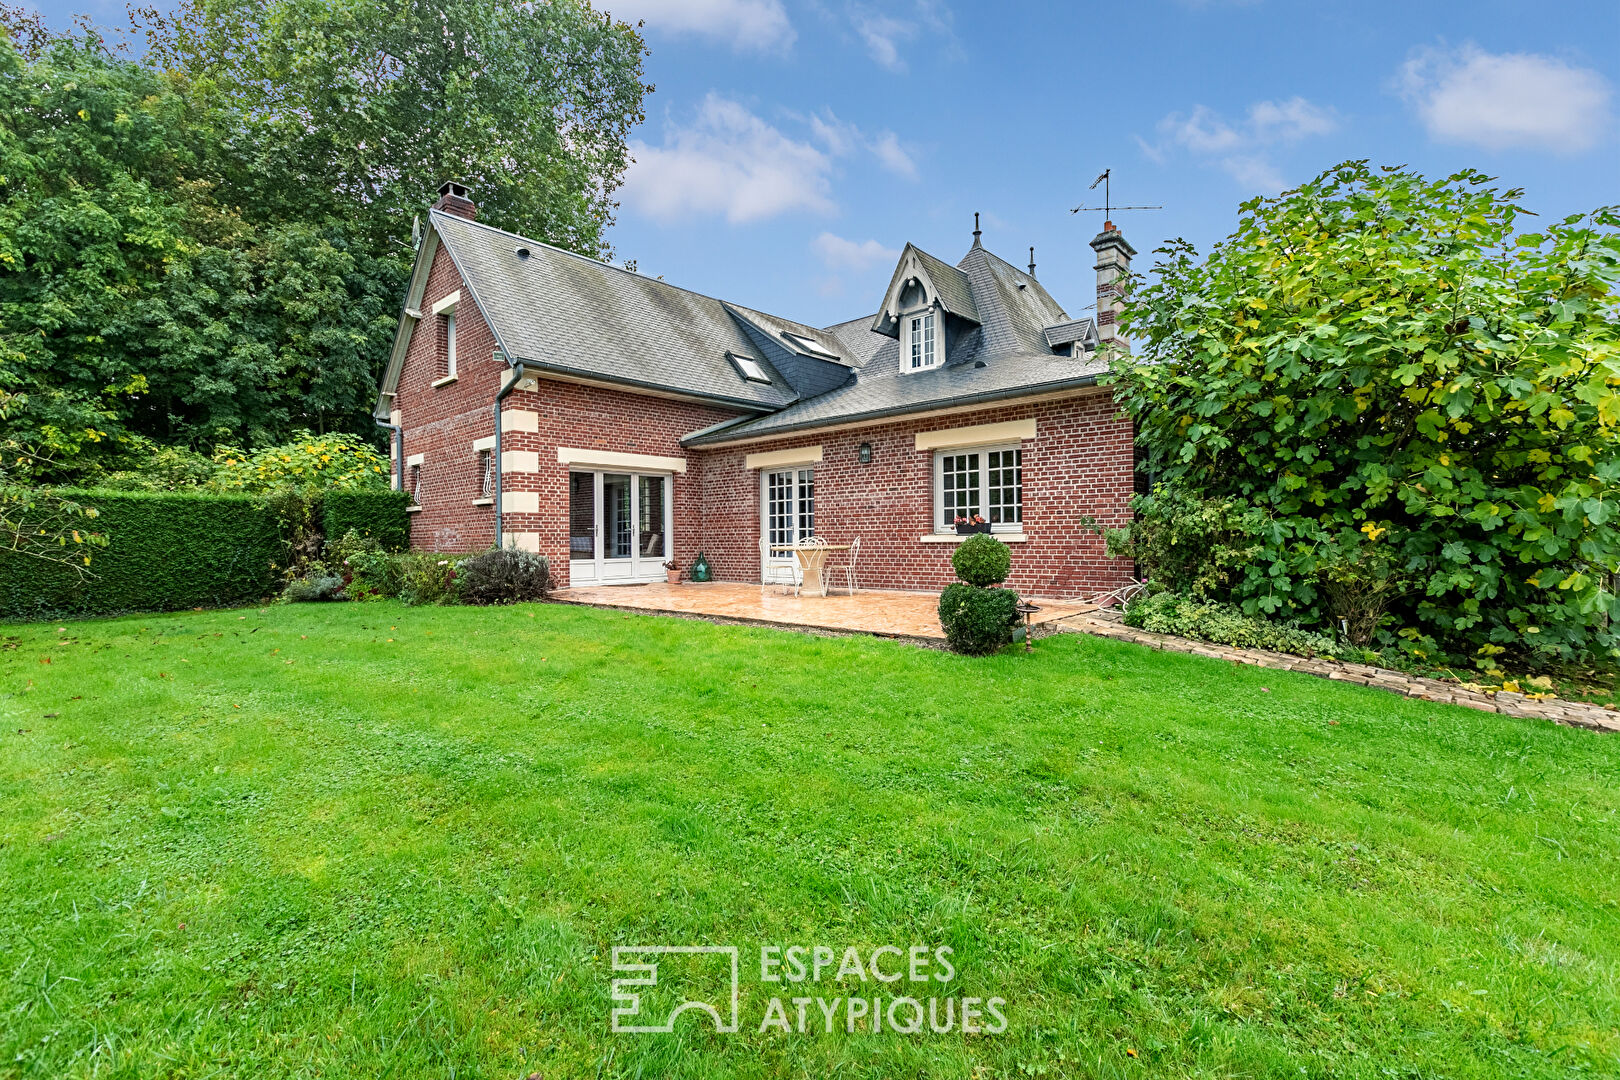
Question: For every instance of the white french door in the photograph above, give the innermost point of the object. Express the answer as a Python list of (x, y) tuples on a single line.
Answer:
[(618, 527), (787, 514)]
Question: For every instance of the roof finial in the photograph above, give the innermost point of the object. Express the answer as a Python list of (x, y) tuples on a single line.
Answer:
[(976, 229), (1032, 260)]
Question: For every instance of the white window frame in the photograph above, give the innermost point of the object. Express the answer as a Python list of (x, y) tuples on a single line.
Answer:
[(923, 340), (982, 506), (801, 475), (450, 344)]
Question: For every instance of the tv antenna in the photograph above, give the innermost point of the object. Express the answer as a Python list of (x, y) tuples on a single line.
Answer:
[(1108, 206)]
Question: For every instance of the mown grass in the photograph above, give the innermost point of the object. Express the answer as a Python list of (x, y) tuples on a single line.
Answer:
[(368, 840)]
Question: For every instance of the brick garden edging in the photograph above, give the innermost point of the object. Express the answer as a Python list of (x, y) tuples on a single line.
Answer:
[(1571, 713)]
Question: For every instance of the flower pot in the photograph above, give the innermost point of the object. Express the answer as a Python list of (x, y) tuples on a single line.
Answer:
[(970, 528), (673, 576)]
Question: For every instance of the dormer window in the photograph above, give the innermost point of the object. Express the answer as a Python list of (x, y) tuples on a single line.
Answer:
[(920, 343)]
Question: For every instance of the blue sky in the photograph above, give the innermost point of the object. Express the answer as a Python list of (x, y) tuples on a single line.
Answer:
[(791, 149)]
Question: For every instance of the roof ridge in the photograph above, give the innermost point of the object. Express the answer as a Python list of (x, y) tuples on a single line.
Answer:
[(432, 212)]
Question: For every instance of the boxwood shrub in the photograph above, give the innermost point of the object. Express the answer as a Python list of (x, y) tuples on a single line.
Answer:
[(977, 621), (375, 513), (165, 551), (982, 560)]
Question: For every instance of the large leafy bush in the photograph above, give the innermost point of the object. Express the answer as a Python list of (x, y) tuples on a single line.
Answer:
[(1201, 547), (1398, 378)]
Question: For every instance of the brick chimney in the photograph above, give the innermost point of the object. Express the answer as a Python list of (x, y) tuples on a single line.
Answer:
[(1113, 263), (453, 200)]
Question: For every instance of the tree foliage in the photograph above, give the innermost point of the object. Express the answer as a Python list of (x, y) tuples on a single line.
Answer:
[(359, 110), (1404, 383), (208, 246)]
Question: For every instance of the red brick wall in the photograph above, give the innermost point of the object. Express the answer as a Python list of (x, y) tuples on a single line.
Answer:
[(441, 423), (1079, 463), (595, 418)]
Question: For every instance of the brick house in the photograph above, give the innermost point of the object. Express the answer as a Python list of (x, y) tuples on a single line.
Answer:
[(642, 422)]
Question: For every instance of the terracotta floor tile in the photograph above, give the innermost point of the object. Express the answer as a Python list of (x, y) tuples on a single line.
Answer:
[(871, 611)]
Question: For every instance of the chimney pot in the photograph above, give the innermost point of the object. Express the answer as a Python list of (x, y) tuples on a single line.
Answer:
[(455, 198)]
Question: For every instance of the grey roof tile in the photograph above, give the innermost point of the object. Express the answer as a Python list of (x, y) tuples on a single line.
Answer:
[(573, 314), (564, 311), (875, 396), (954, 288), (1067, 333)]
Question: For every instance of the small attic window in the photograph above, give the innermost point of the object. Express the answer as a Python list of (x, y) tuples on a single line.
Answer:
[(750, 368), (804, 344)]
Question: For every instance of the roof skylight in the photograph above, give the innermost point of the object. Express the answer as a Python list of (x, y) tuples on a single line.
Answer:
[(804, 344), (750, 368)]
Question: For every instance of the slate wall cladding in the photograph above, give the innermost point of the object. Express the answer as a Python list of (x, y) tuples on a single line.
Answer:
[(1080, 462)]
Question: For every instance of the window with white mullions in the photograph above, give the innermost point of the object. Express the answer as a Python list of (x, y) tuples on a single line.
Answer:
[(959, 487), (807, 504), (987, 482), (790, 510), (922, 341), (1004, 486)]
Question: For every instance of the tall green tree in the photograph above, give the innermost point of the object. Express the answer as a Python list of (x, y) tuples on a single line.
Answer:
[(208, 245), (136, 300), (1409, 386), (357, 111)]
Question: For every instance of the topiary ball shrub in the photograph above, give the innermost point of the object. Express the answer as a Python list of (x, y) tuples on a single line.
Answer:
[(982, 560), (504, 576), (977, 621)]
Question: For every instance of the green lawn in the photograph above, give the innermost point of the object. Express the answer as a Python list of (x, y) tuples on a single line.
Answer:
[(369, 840)]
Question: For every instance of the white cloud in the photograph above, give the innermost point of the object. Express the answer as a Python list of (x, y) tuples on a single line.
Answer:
[(1503, 101), (883, 35), (892, 156), (885, 30), (843, 139), (727, 162), (745, 25), (853, 256), (1289, 121), (1241, 150)]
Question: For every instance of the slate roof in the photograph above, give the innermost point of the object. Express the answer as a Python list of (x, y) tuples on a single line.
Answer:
[(1067, 333), (955, 292), (564, 313)]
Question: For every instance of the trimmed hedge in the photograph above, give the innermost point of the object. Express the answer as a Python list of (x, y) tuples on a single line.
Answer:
[(165, 551), (378, 514)]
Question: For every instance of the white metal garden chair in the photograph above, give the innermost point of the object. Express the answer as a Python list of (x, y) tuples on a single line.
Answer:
[(775, 571), (843, 565)]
